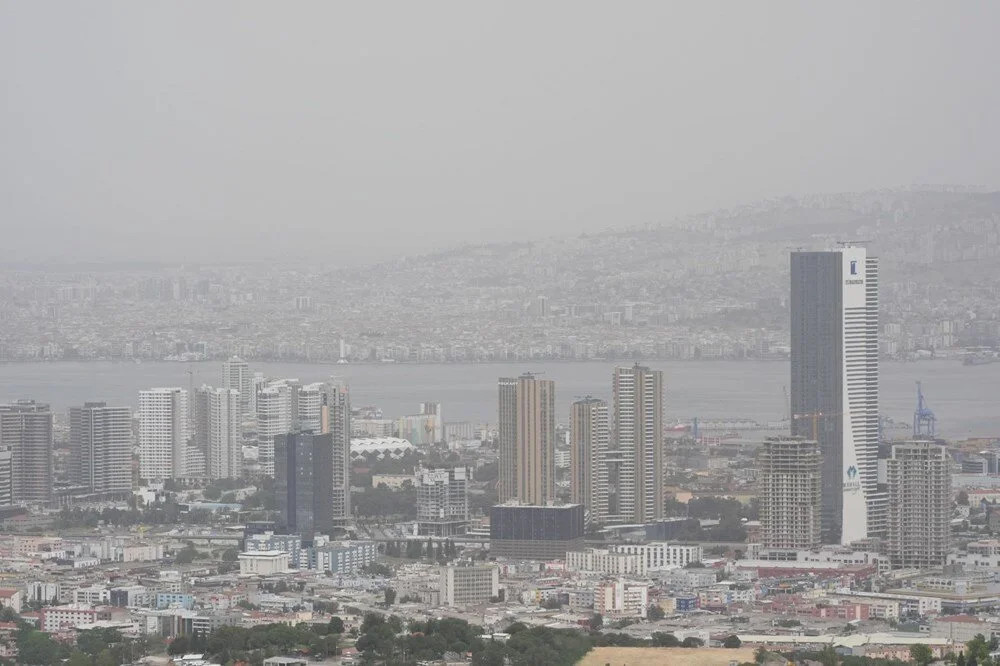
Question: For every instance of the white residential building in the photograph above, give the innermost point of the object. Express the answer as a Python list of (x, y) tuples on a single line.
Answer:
[(264, 562), (622, 598), (275, 416), (219, 431), (469, 585), (163, 433), (606, 562), (442, 501), (236, 375), (660, 554)]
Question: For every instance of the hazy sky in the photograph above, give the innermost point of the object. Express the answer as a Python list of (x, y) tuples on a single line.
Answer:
[(353, 131)]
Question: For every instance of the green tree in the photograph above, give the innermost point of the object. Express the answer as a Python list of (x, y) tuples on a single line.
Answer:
[(186, 555), (180, 645), (78, 658), (596, 621), (760, 655), (106, 658), (828, 656), (661, 639), (732, 641), (390, 596), (654, 612), (978, 648), (37, 649), (921, 654), (692, 642), (336, 625)]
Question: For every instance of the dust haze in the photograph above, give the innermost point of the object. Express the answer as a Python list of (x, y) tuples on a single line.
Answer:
[(355, 133)]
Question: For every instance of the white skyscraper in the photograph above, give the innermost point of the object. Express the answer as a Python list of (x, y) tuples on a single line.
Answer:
[(236, 375), (276, 413), (834, 381), (311, 401), (163, 433), (218, 431)]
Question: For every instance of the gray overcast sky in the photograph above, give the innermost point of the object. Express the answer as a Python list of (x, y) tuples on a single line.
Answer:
[(354, 131)]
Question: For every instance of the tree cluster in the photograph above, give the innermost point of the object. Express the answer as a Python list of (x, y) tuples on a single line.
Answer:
[(232, 644)]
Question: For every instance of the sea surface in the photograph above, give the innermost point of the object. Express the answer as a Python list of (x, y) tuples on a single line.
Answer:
[(965, 399)]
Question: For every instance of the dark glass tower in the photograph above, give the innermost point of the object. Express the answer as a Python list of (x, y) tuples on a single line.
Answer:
[(303, 479)]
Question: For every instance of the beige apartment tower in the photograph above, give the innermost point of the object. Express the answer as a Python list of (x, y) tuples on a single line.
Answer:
[(919, 481), (789, 486), (588, 438), (527, 434), (637, 444), (507, 438), (536, 440)]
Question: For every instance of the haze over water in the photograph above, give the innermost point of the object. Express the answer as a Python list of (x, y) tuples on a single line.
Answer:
[(965, 399)]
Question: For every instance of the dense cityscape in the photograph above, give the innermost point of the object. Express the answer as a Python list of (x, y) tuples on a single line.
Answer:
[(706, 287), (268, 520), (499, 334)]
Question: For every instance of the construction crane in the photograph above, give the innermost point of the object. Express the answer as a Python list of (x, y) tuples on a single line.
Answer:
[(923, 418), (815, 417)]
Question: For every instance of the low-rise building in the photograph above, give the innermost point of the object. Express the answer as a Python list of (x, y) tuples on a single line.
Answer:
[(622, 598), (264, 563), (604, 561), (469, 585)]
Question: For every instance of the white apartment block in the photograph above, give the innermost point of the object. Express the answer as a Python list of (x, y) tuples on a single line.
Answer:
[(442, 501), (621, 598), (264, 563), (163, 433), (43, 591), (606, 562), (660, 554), (468, 586), (55, 618), (93, 595)]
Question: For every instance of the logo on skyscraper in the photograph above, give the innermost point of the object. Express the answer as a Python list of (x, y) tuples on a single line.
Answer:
[(852, 472), (854, 267)]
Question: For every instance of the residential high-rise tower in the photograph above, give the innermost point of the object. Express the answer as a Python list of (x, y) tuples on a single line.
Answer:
[(100, 439), (218, 431), (589, 435), (236, 375), (26, 430), (163, 433), (507, 438), (919, 508), (638, 443), (536, 440), (788, 484)]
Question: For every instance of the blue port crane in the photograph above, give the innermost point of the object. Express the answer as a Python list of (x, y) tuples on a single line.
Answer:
[(923, 418)]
